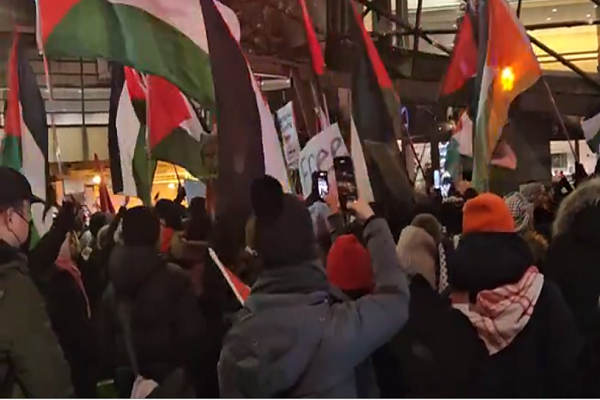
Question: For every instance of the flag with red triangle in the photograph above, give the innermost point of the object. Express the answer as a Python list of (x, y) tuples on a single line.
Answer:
[(175, 133), (463, 61), (377, 119), (249, 146), (239, 288), (510, 68), (106, 204), (318, 64), (24, 145), (131, 167)]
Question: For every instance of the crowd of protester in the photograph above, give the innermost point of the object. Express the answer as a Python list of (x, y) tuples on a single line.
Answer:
[(477, 296)]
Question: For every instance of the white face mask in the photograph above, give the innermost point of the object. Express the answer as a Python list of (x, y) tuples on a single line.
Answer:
[(19, 226)]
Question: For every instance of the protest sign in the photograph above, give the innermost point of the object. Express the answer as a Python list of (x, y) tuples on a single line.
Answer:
[(318, 155), (289, 134), (73, 186)]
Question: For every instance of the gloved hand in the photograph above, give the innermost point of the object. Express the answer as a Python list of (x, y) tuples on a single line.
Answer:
[(66, 218)]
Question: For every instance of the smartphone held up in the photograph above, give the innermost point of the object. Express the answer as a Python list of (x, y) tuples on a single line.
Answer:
[(322, 184), (346, 180)]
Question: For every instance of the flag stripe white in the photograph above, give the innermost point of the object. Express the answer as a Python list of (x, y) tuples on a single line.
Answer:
[(34, 169), (128, 127), (185, 16), (272, 150), (591, 132), (363, 183)]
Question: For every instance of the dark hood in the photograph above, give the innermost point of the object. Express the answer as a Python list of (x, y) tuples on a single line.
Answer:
[(305, 278), (130, 267), (279, 331), (579, 214), (486, 261)]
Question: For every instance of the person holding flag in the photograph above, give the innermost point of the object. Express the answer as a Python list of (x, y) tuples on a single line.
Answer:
[(33, 364)]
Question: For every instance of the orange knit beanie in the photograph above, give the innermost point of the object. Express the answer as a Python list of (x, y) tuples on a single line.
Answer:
[(487, 213)]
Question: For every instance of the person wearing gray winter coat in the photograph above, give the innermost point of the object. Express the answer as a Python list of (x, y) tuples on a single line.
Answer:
[(296, 337)]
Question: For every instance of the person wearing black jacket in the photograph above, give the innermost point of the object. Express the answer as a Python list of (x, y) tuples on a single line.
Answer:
[(167, 324), (529, 332), (58, 278), (70, 314), (572, 262), (32, 363)]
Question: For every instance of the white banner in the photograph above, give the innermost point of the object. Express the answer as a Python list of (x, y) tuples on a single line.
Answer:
[(318, 155), (289, 134)]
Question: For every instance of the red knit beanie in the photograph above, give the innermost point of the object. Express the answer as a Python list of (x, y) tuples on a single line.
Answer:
[(349, 265), (487, 213)]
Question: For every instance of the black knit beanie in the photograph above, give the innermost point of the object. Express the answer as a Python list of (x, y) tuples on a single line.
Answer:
[(284, 230), (141, 227)]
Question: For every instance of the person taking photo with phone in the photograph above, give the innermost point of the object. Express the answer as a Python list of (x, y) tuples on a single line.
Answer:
[(297, 336)]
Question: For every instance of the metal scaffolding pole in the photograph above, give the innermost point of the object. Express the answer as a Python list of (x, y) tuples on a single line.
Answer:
[(416, 37), (384, 13), (566, 63), (532, 27)]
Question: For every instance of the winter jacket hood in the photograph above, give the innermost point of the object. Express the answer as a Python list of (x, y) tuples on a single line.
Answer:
[(279, 364), (418, 252), (572, 259), (579, 213)]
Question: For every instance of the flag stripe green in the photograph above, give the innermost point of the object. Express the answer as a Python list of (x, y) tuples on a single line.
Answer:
[(143, 168), (133, 37), (11, 152), (199, 158), (594, 143), (481, 156)]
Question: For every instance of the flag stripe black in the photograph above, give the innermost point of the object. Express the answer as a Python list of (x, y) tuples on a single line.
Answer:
[(376, 113), (116, 89), (240, 150)]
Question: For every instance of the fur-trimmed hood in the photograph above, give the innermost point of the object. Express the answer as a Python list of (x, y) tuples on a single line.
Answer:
[(579, 213)]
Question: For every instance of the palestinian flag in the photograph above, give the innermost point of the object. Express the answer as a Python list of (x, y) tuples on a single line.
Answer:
[(25, 142), (175, 133), (249, 146), (131, 168), (318, 64), (376, 115), (239, 288), (463, 61), (591, 132), (106, 205), (316, 54), (159, 37), (508, 68), (461, 144)]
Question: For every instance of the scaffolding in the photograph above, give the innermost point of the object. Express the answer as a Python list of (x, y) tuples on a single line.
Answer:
[(424, 34)]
